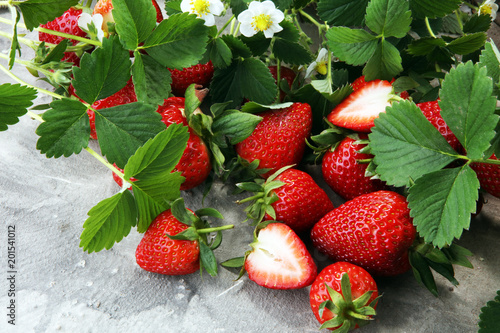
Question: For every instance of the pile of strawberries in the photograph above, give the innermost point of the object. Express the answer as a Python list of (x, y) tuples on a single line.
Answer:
[(370, 234)]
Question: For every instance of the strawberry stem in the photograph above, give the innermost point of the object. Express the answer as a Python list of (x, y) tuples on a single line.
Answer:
[(429, 29), (320, 26), (230, 21), (215, 229)]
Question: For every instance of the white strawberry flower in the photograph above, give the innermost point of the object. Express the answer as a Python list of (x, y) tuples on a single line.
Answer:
[(320, 65), (489, 7), (204, 9), (261, 16), (92, 24)]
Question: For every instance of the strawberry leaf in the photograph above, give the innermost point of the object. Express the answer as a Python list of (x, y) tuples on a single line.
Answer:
[(354, 46), (135, 20), (426, 45), (37, 12), (178, 42), (109, 221), (66, 129), (468, 43), (406, 145), (342, 12), (477, 23), (385, 62), (467, 107), (239, 46), (220, 54), (235, 125), (257, 44), (388, 18), (489, 319), (151, 80), (14, 102), (124, 128), (490, 58), (441, 203), (102, 73), (291, 52), (432, 8)]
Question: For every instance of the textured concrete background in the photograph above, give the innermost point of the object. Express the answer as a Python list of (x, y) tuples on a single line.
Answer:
[(59, 288)]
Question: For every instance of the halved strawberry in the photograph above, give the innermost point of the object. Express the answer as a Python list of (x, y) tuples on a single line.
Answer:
[(279, 259), (358, 111)]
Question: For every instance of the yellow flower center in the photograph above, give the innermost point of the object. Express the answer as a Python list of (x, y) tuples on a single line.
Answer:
[(486, 9), (321, 67), (201, 7), (261, 22)]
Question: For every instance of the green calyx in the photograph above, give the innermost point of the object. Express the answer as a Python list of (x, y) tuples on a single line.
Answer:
[(198, 230), (263, 198), (348, 312)]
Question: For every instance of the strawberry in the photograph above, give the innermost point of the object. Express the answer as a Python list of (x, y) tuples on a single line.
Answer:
[(200, 74), (285, 73), (67, 23), (125, 95), (279, 139), (279, 259), (489, 176), (290, 196), (358, 111), (360, 83), (195, 163), (344, 174), (432, 112), (343, 297), (374, 231), (105, 7)]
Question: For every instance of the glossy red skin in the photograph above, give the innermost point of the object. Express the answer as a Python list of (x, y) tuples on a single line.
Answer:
[(195, 164), (67, 23), (279, 139), (286, 73), (159, 254), (432, 112), (104, 6), (344, 174), (373, 231), (361, 282), (301, 201), (198, 74), (489, 176), (258, 271)]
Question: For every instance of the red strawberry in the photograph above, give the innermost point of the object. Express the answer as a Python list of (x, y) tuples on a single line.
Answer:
[(124, 96), (195, 163), (200, 74), (279, 139), (489, 176), (347, 288), (159, 254), (298, 201), (358, 111), (344, 174), (360, 83), (279, 259), (285, 73), (67, 23), (373, 231), (432, 112), (104, 7)]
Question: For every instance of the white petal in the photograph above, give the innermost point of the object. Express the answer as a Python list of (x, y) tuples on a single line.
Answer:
[(98, 19), (277, 16), (100, 35), (267, 6), (216, 7), (247, 30), (255, 7), (209, 19), (245, 17), (84, 20), (322, 55), (310, 69), (185, 6)]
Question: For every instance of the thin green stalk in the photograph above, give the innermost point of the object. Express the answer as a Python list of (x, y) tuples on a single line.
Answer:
[(233, 24), (237, 29), (428, 25), (106, 163), (313, 20), (214, 229), (225, 25), (28, 64), (35, 116)]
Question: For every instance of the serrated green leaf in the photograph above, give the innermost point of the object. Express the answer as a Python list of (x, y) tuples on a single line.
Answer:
[(57, 53), (323, 86), (388, 18), (432, 8), (289, 32), (220, 54), (178, 42), (109, 221), (237, 6), (424, 46), (342, 12), (37, 12), (151, 80), (255, 108), (124, 128), (135, 20), (102, 73), (477, 23), (14, 103), (467, 107), (490, 58), (385, 63), (147, 208), (468, 43), (354, 46), (441, 203), (283, 4), (489, 319), (236, 125), (173, 7), (66, 129), (291, 53), (239, 46), (406, 145)]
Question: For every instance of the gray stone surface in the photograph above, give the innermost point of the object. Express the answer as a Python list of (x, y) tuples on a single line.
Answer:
[(59, 288)]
